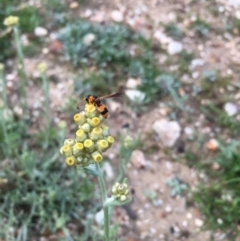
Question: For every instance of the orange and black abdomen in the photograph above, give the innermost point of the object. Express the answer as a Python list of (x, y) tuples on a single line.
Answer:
[(103, 110)]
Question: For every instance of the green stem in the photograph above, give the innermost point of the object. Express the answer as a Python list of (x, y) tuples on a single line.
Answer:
[(104, 198), (21, 68), (5, 133), (2, 80), (47, 106)]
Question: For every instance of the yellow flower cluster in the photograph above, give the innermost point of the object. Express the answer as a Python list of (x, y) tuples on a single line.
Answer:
[(92, 139), (120, 191), (11, 21)]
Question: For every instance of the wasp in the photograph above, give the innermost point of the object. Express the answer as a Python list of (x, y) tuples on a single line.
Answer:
[(96, 101)]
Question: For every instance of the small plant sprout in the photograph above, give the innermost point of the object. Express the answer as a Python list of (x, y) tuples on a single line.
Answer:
[(178, 187), (85, 152)]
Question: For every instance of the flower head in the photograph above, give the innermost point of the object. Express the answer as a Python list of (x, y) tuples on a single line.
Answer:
[(91, 140), (11, 21), (70, 161), (42, 67), (120, 191)]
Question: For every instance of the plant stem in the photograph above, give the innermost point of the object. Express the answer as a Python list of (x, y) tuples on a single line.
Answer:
[(3, 85), (104, 197), (21, 68), (47, 106), (2, 114)]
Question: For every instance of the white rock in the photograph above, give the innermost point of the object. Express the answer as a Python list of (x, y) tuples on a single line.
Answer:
[(196, 62), (174, 48), (221, 9), (138, 159), (189, 216), (162, 237), (230, 108), (87, 13), (135, 95), (40, 31), (188, 131), (220, 221), (185, 223), (198, 222), (133, 83), (89, 38), (10, 77), (117, 16), (99, 217), (153, 230), (162, 37), (195, 74), (168, 131), (168, 209)]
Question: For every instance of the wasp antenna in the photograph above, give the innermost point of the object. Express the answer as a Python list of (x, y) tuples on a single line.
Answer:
[(78, 105)]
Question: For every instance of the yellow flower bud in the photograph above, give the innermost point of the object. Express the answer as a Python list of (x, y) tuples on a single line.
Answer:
[(66, 151), (96, 133), (70, 161), (77, 149), (69, 142), (86, 127), (89, 145), (91, 110), (95, 121), (110, 140), (97, 157), (79, 118), (62, 124), (42, 67), (102, 145), (81, 135), (128, 142), (1, 66), (123, 198), (11, 21)]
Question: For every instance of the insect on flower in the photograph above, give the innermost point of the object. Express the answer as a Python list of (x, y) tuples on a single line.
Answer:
[(96, 101)]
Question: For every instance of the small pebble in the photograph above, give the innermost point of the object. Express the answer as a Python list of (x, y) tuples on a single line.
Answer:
[(161, 237), (174, 48), (198, 222), (189, 216), (117, 16), (153, 230), (168, 209), (88, 39), (185, 223), (135, 95), (40, 31), (230, 108), (74, 5), (220, 221), (212, 145)]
